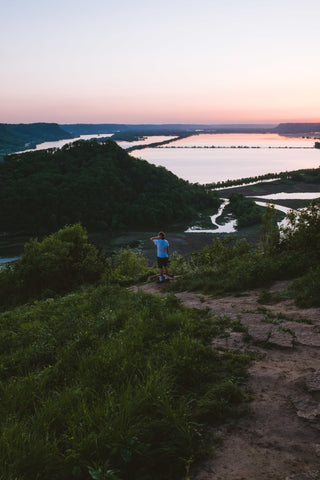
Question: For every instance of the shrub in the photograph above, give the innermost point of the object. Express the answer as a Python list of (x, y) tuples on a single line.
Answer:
[(245, 209), (302, 232), (61, 262), (126, 267), (178, 264), (306, 290), (219, 252)]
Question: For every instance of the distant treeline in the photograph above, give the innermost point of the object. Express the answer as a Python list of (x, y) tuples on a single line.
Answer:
[(99, 185), (18, 137), (309, 175), (298, 128), (158, 144), (228, 146)]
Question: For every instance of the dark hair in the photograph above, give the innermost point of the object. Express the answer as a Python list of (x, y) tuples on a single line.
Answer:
[(162, 235)]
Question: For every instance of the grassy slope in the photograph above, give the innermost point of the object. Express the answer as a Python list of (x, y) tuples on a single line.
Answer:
[(107, 384)]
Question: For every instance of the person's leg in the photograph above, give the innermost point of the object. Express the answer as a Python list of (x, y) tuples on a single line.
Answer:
[(166, 270), (160, 273), (160, 265)]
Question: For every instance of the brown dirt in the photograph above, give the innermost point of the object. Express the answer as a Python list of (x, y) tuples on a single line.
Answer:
[(280, 438)]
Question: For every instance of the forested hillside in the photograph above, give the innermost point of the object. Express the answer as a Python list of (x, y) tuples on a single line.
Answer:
[(101, 186), (18, 137)]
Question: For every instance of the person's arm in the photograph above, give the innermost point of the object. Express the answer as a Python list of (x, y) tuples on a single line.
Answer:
[(155, 238)]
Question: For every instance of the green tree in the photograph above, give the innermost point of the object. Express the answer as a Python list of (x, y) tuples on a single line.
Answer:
[(100, 186), (59, 263), (302, 231), (270, 235)]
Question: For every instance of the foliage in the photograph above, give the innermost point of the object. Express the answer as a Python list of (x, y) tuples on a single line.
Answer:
[(301, 236), (245, 209), (302, 232), (270, 234), (307, 175), (100, 186), (125, 267), (105, 384), (306, 289), (229, 266), (220, 252), (178, 264), (19, 137), (59, 263)]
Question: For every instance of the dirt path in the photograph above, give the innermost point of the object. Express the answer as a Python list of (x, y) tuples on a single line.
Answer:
[(280, 439)]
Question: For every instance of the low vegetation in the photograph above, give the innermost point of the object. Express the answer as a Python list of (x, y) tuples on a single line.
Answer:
[(231, 266), (246, 211), (308, 175), (101, 383)]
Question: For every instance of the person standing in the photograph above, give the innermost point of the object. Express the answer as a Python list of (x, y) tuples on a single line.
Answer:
[(162, 255)]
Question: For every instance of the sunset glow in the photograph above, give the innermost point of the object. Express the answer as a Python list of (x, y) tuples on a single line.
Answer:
[(174, 61)]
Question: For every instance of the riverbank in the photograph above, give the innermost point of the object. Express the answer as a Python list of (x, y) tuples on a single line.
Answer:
[(267, 188)]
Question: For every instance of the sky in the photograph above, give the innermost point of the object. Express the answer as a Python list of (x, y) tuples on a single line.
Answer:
[(168, 61)]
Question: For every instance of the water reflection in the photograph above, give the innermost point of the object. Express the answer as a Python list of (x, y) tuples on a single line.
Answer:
[(291, 196), (250, 140), (4, 260), (231, 225), (217, 165)]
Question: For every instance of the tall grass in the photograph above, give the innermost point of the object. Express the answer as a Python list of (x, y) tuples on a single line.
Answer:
[(106, 384), (228, 266)]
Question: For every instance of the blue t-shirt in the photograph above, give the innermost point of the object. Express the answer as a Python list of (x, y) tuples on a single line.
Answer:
[(161, 247)]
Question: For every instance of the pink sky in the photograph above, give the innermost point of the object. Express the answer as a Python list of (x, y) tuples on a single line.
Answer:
[(149, 62)]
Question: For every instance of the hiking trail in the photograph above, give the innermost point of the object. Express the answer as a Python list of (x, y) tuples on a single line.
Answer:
[(280, 437)]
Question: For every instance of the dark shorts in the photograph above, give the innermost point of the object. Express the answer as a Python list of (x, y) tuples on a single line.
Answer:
[(162, 261)]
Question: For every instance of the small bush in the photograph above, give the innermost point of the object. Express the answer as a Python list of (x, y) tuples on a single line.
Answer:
[(178, 264), (61, 262), (126, 267), (302, 233), (306, 290)]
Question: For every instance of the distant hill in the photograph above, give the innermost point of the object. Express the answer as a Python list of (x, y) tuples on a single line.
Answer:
[(100, 185), (298, 128), (77, 129), (161, 129), (16, 137)]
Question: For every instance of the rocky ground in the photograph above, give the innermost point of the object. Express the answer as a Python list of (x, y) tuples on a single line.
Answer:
[(280, 438)]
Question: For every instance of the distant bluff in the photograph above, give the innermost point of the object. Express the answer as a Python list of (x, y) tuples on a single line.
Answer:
[(16, 137), (298, 128)]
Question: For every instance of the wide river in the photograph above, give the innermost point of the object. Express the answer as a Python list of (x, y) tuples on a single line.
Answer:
[(235, 156), (207, 158)]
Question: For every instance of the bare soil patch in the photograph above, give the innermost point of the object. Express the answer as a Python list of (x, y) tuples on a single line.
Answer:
[(280, 438)]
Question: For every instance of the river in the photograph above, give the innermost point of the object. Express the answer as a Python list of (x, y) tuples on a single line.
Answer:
[(208, 158)]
